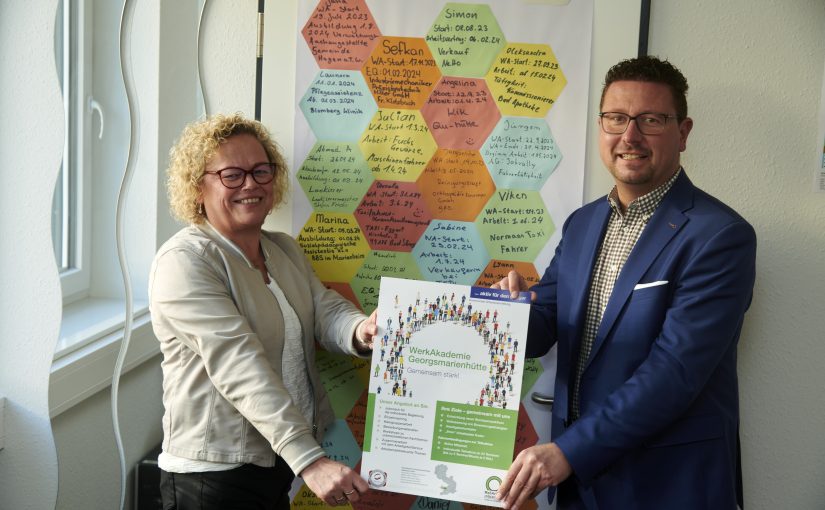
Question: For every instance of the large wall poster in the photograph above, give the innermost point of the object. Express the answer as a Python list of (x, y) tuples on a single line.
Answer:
[(438, 141)]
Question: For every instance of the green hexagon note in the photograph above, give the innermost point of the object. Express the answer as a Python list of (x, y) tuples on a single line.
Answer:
[(334, 177), (514, 225), (531, 374), (340, 378), (367, 281), (465, 39)]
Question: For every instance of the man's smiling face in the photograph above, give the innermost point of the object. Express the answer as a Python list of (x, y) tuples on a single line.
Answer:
[(640, 163)]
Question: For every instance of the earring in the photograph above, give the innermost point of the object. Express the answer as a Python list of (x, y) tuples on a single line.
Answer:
[(200, 209)]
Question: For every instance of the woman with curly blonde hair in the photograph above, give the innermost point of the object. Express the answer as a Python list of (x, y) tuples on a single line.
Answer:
[(237, 311)]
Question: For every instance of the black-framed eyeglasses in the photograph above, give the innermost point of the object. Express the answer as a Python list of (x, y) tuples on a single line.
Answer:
[(233, 177), (615, 123)]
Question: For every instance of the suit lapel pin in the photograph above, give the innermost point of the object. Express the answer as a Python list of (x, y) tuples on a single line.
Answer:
[(672, 225)]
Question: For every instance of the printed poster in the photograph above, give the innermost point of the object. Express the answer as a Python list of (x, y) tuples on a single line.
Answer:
[(444, 390)]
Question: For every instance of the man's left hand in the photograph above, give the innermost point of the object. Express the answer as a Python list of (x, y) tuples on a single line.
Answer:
[(534, 469)]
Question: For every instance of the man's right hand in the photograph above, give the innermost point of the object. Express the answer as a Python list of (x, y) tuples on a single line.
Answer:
[(515, 283)]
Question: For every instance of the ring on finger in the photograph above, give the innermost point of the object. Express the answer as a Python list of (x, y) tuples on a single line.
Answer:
[(347, 493), (340, 500)]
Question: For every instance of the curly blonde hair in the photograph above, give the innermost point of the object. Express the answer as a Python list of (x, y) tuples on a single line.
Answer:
[(197, 145)]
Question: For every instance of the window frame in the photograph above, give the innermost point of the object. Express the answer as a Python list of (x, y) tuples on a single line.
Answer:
[(75, 186)]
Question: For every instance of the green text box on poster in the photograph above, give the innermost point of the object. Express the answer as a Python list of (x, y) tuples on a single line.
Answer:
[(474, 435)]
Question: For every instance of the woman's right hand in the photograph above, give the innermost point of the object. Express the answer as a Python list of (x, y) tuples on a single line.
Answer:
[(333, 482)]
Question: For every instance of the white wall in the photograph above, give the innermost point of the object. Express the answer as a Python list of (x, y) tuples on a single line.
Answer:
[(162, 53), (755, 74), (89, 469), (31, 145)]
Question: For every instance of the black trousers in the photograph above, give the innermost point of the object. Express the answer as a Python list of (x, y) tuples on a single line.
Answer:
[(248, 487)]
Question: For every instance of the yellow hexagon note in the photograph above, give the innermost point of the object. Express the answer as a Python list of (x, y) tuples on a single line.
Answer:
[(334, 245), (397, 145), (526, 80)]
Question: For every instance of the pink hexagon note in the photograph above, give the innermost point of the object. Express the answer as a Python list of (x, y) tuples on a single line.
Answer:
[(341, 33), (393, 215), (460, 113)]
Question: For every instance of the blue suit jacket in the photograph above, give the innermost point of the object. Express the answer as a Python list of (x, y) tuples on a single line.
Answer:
[(659, 397)]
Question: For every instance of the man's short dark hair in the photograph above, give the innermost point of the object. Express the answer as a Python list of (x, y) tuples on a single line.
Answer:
[(654, 70)]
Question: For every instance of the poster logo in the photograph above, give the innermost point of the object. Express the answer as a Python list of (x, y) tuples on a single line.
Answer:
[(493, 483), (377, 478), (491, 487)]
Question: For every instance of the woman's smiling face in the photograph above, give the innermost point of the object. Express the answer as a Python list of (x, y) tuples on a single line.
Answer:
[(240, 210)]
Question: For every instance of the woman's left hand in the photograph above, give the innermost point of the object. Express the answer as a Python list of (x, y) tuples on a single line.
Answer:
[(333, 482), (365, 332)]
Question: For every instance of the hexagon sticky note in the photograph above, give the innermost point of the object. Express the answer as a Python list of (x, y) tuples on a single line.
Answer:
[(436, 504), (334, 176), (305, 499), (357, 419), (397, 145), (526, 80), (345, 290), (460, 113), (465, 39), (338, 105), (498, 269), (334, 245), (392, 215), (532, 371), (340, 380), (521, 153), (340, 33), (383, 500), (340, 445), (530, 504), (451, 252), (525, 432), (367, 280), (401, 72), (515, 225), (456, 185)]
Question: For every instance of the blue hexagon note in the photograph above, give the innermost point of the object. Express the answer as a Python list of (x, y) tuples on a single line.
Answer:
[(340, 445), (451, 252), (521, 153), (338, 105)]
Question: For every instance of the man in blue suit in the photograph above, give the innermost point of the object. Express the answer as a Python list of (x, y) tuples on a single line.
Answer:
[(645, 298)]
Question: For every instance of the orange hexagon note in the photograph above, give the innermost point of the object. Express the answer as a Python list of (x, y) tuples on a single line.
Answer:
[(498, 269), (460, 113), (456, 185), (345, 290), (401, 72), (340, 33), (526, 79)]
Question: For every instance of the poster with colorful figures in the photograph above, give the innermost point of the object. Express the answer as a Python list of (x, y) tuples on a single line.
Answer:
[(435, 141), (445, 380)]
